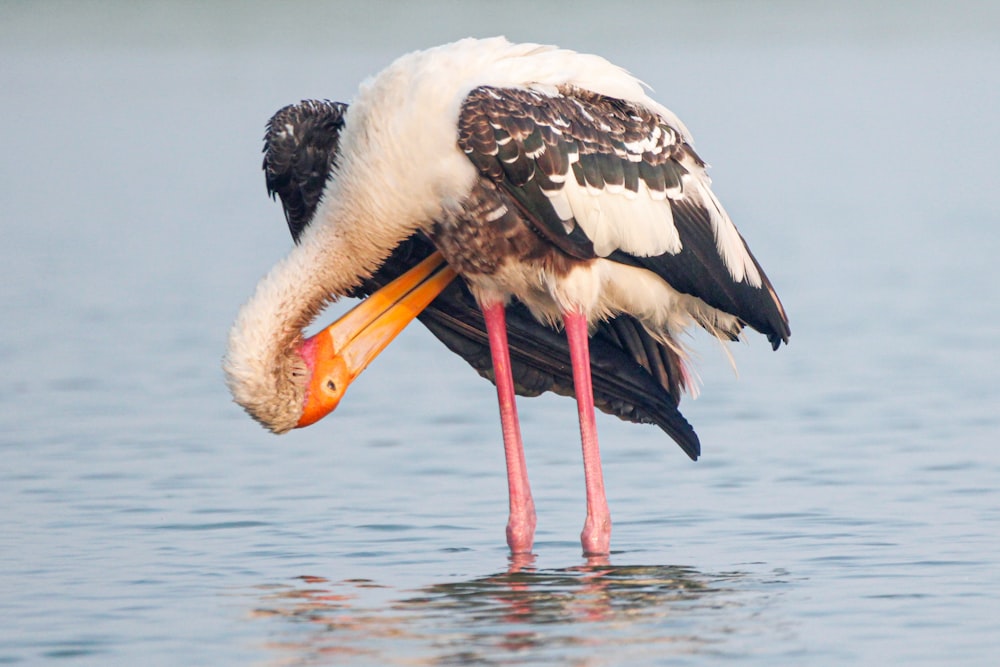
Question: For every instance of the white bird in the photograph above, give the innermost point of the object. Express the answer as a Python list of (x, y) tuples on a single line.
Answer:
[(559, 192)]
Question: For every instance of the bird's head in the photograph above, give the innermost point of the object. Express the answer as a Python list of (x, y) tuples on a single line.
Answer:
[(285, 381), (281, 378), (294, 384)]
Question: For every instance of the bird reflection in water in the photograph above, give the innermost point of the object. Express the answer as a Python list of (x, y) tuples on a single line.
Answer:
[(505, 616)]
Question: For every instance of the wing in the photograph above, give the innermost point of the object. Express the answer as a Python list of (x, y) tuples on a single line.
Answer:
[(299, 148), (603, 177), (634, 377)]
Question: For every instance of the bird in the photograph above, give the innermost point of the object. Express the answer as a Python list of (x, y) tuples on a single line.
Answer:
[(537, 210)]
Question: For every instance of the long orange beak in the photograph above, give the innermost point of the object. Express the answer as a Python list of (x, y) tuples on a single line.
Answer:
[(338, 354)]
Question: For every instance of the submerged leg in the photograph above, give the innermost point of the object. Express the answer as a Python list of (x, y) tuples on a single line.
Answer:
[(596, 535), (521, 524)]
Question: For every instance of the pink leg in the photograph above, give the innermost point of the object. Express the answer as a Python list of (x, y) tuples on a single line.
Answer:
[(521, 525), (596, 535)]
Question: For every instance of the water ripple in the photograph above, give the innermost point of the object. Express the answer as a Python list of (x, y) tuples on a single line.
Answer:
[(222, 525), (628, 614)]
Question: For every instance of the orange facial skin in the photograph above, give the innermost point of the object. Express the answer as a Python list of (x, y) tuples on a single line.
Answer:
[(339, 353)]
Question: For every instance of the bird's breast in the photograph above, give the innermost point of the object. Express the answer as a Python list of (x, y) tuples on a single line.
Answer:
[(488, 239)]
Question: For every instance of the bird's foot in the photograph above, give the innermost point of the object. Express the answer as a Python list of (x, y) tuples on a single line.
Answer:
[(521, 531), (596, 536)]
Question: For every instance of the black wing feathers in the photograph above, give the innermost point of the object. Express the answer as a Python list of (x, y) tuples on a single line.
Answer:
[(529, 144), (299, 148), (698, 269), (492, 130)]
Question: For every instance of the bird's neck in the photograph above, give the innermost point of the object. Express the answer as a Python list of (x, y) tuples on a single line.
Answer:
[(263, 370)]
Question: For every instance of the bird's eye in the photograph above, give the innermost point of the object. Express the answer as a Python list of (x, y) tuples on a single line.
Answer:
[(331, 385)]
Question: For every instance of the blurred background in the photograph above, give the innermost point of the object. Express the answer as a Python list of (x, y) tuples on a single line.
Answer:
[(846, 507)]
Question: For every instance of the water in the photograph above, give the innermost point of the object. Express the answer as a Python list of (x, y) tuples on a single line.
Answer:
[(846, 508)]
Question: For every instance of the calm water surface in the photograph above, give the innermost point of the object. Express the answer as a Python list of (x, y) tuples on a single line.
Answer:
[(846, 510)]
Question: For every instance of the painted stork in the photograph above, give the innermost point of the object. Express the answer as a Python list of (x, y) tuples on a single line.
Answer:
[(560, 193)]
